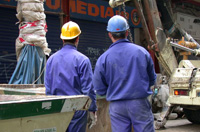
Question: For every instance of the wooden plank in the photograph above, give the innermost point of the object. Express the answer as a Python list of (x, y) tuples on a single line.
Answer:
[(23, 91), (21, 86)]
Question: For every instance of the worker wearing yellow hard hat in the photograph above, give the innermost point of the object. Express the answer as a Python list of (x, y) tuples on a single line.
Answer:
[(70, 30), (69, 72)]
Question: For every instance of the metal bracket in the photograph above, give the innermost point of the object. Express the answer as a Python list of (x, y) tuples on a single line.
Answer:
[(163, 117), (194, 71)]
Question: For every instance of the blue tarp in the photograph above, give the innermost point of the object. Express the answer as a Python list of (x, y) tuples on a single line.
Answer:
[(30, 68)]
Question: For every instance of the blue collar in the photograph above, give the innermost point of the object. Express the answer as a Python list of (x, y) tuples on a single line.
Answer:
[(69, 46), (119, 41)]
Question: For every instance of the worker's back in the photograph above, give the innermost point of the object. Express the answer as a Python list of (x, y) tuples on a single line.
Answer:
[(128, 71), (64, 70)]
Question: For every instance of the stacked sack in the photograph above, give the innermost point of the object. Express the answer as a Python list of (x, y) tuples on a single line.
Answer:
[(32, 25)]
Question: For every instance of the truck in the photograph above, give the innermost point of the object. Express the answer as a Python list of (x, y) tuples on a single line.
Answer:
[(177, 53)]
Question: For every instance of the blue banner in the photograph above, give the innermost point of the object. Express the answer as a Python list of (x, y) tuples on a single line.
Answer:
[(99, 10), (94, 10)]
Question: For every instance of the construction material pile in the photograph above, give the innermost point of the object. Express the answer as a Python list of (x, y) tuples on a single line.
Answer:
[(32, 25)]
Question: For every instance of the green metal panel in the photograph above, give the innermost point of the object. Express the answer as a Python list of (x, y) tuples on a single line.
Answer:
[(17, 110), (13, 106)]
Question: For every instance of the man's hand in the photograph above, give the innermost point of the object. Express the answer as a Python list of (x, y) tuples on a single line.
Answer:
[(92, 119)]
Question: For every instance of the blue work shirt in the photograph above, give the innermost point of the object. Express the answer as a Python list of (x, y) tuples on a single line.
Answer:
[(125, 71), (69, 72)]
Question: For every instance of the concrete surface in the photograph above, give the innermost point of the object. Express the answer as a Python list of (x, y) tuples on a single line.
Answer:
[(180, 125)]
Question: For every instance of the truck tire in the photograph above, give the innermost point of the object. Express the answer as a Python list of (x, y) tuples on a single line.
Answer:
[(192, 115)]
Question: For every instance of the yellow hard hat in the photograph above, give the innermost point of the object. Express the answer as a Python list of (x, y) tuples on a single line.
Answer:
[(70, 30)]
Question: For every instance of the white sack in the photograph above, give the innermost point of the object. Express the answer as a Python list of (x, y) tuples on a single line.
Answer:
[(39, 30), (37, 7), (41, 43), (46, 51), (31, 38), (37, 27), (30, 16), (18, 47), (19, 16)]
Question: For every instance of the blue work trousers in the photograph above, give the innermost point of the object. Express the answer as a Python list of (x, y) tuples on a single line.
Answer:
[(127, 113), (78, 122)]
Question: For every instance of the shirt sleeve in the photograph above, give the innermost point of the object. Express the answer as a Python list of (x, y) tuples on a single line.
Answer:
[(99, 81), (86, 83), (46, 80)]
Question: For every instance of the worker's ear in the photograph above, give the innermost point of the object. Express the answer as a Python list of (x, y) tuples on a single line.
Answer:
[(77, 41), (110, 35), (126, 33)]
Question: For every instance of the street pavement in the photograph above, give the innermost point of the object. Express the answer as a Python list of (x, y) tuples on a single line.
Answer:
[(180, 125)]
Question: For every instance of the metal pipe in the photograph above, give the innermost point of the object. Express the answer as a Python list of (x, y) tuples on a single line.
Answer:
[(150, 20), (143, 21), (115, 3), (190, 38), (65, 10), (182, 47)]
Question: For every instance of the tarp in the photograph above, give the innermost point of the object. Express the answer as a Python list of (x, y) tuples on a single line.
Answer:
[(30, 68)]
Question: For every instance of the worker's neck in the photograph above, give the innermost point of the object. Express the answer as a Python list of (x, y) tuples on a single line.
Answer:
[(115, 40)]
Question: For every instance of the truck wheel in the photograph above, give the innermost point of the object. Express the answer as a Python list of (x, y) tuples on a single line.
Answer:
[(192, 115)]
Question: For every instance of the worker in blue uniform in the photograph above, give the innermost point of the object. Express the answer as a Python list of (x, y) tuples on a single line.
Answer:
[(124, 73), (69, 72)]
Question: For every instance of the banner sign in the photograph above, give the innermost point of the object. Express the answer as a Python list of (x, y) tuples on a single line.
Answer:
[(100, 11), (93, 10)]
